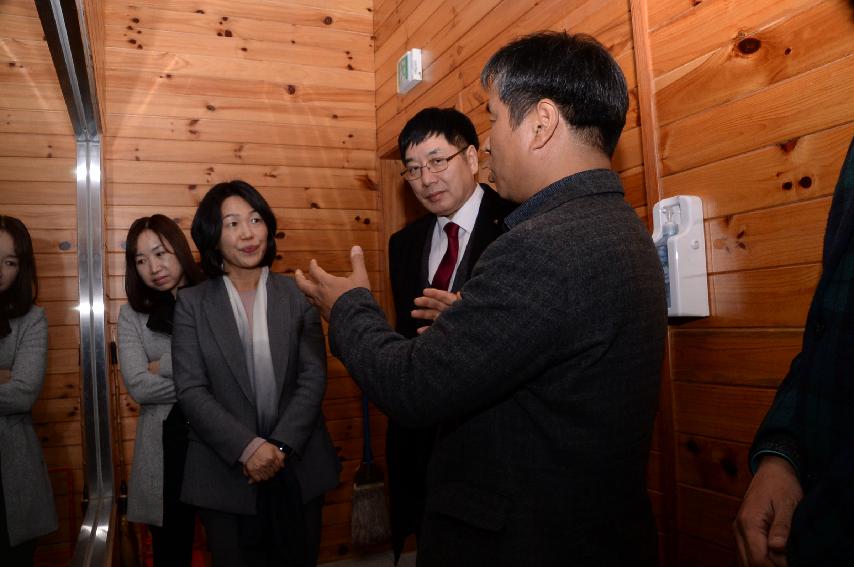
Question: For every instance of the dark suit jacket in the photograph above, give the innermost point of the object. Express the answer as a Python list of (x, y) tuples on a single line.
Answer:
[(409, 251), (811, 421), (544, 380), (407, 449), (215, 393)]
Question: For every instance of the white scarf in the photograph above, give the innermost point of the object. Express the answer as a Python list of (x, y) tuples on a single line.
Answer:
[(256, 348)]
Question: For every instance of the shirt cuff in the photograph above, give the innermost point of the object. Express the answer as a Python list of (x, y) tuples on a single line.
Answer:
[(779, 445), (250, 449)]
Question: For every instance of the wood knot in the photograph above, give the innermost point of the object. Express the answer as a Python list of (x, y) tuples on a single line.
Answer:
[(210, 107), (729, 467), (228, 33), (200, 11), (805, 182), (789, 145), (327, 20), (692, 447), (280, 235), (291, 89), (787, 186), (749, 45)]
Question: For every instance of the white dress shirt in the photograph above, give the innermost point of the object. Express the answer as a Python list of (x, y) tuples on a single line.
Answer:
[(465, 218)]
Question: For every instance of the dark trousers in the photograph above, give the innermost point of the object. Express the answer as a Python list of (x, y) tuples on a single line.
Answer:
[(224, 539), (22, 554), (172, 543)]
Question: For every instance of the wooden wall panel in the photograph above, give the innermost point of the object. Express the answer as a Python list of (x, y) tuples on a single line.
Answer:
[(753, 102), (279, 94), (37, 185)]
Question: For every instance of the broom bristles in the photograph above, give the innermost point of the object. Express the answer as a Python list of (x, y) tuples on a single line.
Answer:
[(369, 522)]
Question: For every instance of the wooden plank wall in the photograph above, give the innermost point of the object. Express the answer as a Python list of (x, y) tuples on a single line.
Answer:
[(755, 114), (280, 94), (37, 185), (456, 39)]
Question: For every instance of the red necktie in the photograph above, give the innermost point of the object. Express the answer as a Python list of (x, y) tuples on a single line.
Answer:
[(442, 278)]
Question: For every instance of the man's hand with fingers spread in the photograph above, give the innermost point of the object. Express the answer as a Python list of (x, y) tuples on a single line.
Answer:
[(323, 289)]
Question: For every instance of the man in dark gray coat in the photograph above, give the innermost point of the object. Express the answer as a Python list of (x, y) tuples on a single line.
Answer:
[(543, 378)]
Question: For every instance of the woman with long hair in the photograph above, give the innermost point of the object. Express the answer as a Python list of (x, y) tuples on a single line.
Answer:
[(250, 365), (26, 499), (158, 262)]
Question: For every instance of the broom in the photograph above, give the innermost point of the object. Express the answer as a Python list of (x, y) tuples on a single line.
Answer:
[(369, 523)]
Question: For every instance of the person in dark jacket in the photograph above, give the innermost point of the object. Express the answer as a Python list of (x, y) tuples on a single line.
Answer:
[(542, 391), (250, 369), (799, 507), (438, 147)]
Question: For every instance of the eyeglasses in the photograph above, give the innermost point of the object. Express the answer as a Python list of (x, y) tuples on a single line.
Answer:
[(434, 165)]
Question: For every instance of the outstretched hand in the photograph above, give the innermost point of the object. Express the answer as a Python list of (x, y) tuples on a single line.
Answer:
[(432, 304), (323, 289), (765, 518)]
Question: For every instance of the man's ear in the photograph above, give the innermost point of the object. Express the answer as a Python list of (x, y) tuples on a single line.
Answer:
[(471, 159), (545, 118)]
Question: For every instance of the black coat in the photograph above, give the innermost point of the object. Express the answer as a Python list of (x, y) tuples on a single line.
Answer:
[(408, 449)]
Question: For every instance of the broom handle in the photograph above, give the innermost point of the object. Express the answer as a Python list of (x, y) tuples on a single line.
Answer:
[(367, 453)]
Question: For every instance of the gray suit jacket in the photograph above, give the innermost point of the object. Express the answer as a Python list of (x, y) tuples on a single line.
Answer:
[(155, 394), (544, 382), (30, 509), (216, 395)]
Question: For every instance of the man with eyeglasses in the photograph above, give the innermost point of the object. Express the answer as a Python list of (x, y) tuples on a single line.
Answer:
[(543, 377), (438, 147)]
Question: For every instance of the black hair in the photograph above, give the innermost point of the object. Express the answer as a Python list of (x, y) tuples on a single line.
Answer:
[(22, 294), (448, 122), (575, 71), (142, 298), (207, 223)]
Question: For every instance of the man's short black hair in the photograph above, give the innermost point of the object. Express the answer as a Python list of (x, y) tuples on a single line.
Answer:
[(207, 223), (575, 71), (448, 122)]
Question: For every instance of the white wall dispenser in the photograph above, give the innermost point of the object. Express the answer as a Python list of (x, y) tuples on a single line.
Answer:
[(680, 238)]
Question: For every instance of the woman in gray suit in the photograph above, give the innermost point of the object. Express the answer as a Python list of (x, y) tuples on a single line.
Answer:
[(26, 499), (250, 366), (158, 261)]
